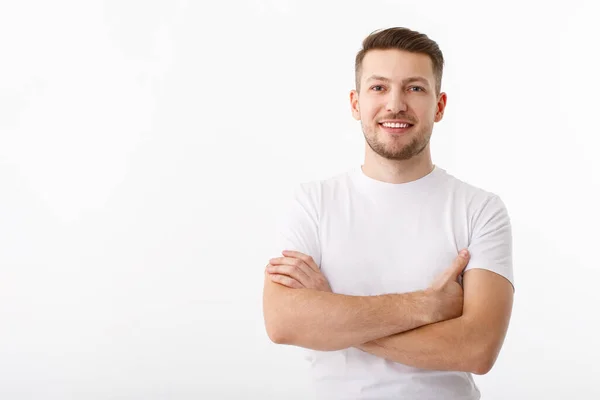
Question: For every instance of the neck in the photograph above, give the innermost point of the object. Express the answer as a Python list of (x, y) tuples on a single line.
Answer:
[(397, 171)]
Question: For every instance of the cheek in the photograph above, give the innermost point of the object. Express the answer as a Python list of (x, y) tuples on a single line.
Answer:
[(427, 107), (368, 112)]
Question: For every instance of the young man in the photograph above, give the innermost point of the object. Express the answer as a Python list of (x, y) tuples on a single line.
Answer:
[(370, 280)]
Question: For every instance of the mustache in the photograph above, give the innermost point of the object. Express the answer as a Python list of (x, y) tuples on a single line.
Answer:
[(398, 116)]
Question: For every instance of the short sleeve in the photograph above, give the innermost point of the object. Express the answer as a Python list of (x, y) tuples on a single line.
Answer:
[(490, 246), (297, 228)]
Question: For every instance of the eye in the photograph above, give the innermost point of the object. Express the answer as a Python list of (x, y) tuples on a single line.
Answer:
[(377, 86), (417, 87)]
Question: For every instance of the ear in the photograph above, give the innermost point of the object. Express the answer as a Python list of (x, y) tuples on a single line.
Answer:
[(354, 106), (441, 106)]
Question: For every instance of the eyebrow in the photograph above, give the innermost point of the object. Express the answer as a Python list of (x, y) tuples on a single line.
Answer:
[(405, 81)]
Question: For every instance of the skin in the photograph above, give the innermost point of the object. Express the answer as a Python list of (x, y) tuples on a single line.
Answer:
[(468, 342), (395, 84), (388, 158), (314, 317)]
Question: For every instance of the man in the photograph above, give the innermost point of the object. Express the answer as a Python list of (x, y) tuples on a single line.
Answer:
[(370, 280)]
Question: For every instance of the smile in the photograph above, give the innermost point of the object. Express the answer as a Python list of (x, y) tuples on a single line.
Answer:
[(396, 128), (395, 124)]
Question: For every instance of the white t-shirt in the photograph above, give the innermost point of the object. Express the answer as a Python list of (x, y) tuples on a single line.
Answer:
[(369, 238)]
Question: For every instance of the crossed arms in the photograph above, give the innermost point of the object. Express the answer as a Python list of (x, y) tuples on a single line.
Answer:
[(447, 326), (422, 329)]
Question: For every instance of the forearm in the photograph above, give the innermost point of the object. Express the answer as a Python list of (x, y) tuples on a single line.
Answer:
[(329, 321), (451, 345)]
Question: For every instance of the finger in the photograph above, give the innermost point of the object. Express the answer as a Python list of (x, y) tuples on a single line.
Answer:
[(294, 262), (306, 258), (286, 281), (290, 270), (459, 264)]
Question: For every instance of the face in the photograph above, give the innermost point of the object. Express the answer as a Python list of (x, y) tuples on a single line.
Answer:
[(397, 103)]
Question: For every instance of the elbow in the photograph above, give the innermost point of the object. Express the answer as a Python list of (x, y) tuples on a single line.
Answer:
[(484, 360), (281, 336), (280, 329), (281, 333), (275, 329), (276, 334), (482, 367), (275, 322)]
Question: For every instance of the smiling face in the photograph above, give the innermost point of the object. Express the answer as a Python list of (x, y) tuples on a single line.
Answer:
[(397, 103)]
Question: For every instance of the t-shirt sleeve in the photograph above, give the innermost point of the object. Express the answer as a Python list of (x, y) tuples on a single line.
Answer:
[(491, 241), (297, 227)]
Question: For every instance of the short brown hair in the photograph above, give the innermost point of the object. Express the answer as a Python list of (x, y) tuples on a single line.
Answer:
[(401, 39)]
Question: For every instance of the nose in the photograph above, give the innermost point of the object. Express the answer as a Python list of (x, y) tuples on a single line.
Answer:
[(396, 102)]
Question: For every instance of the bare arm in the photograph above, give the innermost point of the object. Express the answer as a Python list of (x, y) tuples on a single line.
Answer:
[(328, 321), (469, 343), (302, 311)]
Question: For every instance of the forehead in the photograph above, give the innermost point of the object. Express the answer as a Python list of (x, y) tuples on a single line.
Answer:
[(396, 65)]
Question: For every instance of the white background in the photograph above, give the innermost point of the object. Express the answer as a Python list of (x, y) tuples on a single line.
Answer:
[(147, 146)]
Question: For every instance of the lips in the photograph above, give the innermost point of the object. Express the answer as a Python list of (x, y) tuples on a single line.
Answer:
[(395, 124), (395, 127)]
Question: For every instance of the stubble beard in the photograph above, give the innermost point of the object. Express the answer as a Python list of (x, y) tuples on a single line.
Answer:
[(392, 149)]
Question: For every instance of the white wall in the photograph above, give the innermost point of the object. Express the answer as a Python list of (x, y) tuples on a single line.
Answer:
[(146, 146)]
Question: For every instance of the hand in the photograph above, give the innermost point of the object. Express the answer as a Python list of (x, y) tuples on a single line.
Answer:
[(448, 292), (297, 270)]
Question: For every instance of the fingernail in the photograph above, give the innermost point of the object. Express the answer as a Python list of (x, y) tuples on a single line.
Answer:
[(464, 253)]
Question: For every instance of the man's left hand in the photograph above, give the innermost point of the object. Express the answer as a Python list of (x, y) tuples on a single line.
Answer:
[(297, 270)]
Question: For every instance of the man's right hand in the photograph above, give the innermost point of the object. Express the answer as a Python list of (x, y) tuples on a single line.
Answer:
[(447, 291)]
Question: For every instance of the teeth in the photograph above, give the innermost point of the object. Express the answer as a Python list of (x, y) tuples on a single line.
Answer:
[(395, 125)]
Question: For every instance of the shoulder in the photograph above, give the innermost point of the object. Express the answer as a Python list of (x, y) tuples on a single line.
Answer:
[(476, 198), (316, 190)]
